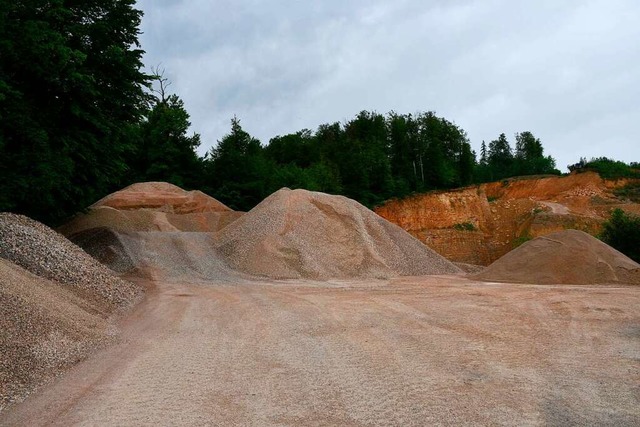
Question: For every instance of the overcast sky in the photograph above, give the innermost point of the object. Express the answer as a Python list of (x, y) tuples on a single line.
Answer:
[(568, 71)]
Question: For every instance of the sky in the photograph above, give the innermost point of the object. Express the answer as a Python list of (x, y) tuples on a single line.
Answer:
[(568, 71)]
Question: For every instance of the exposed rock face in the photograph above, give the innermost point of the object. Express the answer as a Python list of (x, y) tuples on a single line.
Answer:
[(564, 257), (479, 224), (303, 234)]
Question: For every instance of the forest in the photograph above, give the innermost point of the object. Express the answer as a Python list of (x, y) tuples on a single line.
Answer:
[(80, 117)]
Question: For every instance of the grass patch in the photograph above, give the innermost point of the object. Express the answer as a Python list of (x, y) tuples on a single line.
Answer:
[(629, 192), (520, 240), (464, 226)]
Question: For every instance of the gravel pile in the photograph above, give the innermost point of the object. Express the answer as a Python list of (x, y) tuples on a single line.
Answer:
[(154, 206), (44, 329), (161, 196), (564, 257), (47, 254), (57, 305), (303, 234), (147, 220)]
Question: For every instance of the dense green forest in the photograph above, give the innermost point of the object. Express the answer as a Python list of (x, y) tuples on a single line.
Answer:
[(80, 118)]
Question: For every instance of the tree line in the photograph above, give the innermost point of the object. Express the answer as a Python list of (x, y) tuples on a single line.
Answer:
[(79, 118), (370, 158)]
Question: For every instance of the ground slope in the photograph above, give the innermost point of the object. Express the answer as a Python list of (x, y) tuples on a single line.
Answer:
[(479, 224)]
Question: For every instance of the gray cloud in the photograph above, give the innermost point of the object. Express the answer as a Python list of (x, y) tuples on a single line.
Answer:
[(567, 71)]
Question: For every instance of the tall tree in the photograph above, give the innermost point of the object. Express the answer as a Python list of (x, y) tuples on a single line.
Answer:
[(500, 158), (237, 169), (529, 156), (71, 93), (165, 151)]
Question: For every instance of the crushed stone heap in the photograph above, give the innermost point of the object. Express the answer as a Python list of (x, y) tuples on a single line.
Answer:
[(154, 206), (302, 234), (57, 304), (47, 254), (161, 196), (564, 257)]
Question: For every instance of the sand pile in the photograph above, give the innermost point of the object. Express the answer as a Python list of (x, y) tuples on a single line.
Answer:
[(303, 234), (564, 257), (47, 254), (154, 206)]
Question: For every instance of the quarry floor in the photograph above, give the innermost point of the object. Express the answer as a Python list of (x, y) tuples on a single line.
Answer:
[(440, 350)]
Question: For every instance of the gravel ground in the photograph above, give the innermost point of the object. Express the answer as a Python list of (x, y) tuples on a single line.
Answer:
[(410, 352)]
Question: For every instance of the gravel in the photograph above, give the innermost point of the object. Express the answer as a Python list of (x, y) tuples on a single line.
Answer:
[(303, 234), (58, 305), (564, 257), (47, 254)]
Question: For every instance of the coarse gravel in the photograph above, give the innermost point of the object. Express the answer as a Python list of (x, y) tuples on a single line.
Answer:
[(57, 305), (45, 253), (303, 234)]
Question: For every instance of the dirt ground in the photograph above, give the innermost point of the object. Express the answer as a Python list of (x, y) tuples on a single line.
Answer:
[(440, 350)]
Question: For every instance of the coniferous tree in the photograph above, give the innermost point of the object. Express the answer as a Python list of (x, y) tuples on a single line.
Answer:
[(71, 94), (236, 169)]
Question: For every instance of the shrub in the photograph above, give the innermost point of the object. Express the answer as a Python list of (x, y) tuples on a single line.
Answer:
[(464, 226), (521, 240), (608, 168), (622, 231)]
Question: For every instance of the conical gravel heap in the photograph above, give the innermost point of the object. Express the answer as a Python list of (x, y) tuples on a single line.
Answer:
[(304, 234), (153, 206), (564, 257), (45, 253)]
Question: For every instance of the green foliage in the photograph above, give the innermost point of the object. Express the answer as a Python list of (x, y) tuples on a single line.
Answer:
[(500, 161), (164, 151), (607, 168), (520, 240), (464, 226), (622, 232), (629, 192), (236, 169), (71, 93)]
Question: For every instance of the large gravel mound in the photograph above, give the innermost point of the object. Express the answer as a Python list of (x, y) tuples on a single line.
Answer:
[(303, 234), (161, 196), (564, 257), (148, 220), (47, 254), (44, 328), (153, 206)]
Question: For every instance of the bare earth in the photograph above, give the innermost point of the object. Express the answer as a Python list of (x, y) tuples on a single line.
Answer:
[(440, 350)]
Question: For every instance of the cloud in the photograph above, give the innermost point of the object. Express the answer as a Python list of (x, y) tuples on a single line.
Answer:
[(567, 71)]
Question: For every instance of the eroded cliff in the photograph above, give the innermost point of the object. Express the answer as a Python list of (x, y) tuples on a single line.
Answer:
[(479, 224)]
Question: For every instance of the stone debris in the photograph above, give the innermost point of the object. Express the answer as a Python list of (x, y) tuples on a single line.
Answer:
[(57, 305), (563, 257), (302, 234)]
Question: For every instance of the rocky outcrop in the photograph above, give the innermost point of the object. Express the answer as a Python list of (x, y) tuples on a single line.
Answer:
[(479, 224)]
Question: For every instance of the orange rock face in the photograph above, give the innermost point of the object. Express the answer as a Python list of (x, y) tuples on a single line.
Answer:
[(479, 224)]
